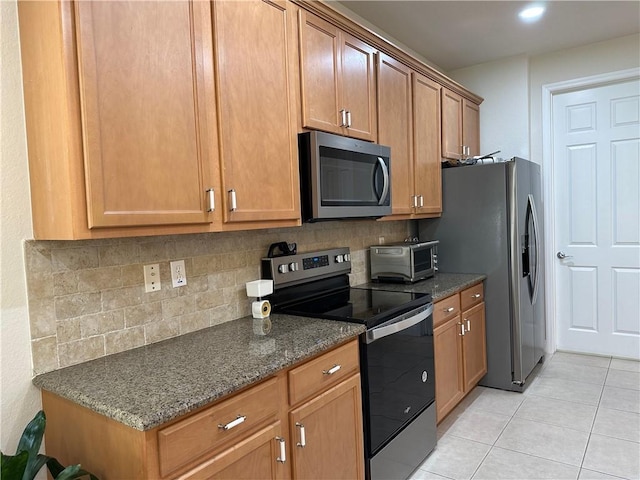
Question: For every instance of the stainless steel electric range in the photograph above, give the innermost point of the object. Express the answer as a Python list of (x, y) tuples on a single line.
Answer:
[(396, 352)]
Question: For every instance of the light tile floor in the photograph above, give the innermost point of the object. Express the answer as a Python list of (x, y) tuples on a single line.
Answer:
[(578, 419)]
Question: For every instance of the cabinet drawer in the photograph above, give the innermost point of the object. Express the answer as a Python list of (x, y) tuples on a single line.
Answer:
[(446, 309), (471, 296), (188, 439), (316, 375)]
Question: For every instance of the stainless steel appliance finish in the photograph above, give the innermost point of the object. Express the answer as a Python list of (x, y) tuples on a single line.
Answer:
[(404, 262), (396, 353), (491, 224), (343, 177)]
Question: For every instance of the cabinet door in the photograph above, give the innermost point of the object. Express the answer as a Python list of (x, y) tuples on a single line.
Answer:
[(358, 87), (319, 73), (447, 345), (256, 91), (147, 143), (426, 141), (474, 344), (395, 129), (471, 126), (451, 125), (254, 457), (333, 434)]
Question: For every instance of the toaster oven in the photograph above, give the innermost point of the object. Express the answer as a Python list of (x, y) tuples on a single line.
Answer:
[(404, 262)]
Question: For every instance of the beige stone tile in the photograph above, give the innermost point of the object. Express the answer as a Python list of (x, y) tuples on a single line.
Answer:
[(97, 279), (194, 321), (116, 298), (153, 251), (68, 330), (220, 280), (157, 331), (37, 256), (77, 304), (45, 354), (65, 283), (76, 258), (207, 264), (210, 299), (627, 365), (194, 285), (612, 456), (123, 340), (224, 313), (248, 274), (623, 379), (122, 254), (80, 351), (234, 260), (174, 307), (142, 314), (42, 318), (132, 275), (101, 323), (39, 285)]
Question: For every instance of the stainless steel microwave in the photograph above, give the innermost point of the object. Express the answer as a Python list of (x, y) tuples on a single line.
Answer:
[(343, 177), (405, 262)]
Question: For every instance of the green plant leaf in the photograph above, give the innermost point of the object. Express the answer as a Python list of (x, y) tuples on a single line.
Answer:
[(13, 466), (30, 442), (70, 473)]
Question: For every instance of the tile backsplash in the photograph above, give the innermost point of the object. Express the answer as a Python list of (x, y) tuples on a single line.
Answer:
[(87, 298)]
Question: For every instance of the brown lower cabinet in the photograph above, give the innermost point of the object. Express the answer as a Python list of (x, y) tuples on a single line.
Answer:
[(459, 342), (303, 422)]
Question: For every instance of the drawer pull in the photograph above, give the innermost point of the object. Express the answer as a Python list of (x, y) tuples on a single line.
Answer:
[(449, 310), (235, 423), (332, 370), (283, 450), (303, 438), (477, 295)]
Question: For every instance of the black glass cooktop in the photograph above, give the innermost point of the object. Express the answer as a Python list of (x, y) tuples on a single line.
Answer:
[(358, 305)]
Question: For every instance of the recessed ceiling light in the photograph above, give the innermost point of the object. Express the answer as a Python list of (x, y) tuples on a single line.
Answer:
[(531, 13)]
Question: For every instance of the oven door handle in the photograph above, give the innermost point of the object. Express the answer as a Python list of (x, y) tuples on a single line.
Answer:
[(390, 328)]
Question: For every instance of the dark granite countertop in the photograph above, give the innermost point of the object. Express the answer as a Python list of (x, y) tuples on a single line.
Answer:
[(441, 286), (148, 386)]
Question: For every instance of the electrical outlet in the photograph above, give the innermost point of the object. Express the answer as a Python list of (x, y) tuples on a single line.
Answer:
[(380, 240), (178, 274), (152, 278)]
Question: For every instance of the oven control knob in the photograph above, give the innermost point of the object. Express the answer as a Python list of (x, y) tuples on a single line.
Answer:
[(293, 266), (339, 258), (284, 268), (347, 257)]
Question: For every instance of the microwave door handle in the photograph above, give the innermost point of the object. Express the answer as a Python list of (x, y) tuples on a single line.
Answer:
[(385, 177)]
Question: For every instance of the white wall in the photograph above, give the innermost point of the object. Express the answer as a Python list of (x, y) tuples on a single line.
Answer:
[(504, 114), (19, 399)]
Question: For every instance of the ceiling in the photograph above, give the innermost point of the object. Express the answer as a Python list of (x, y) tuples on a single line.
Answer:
[(456, 34)]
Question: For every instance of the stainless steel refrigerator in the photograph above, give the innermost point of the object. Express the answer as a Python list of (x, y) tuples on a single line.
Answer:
[(492, 223)]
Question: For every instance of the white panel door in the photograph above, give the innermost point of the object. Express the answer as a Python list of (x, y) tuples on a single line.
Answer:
[(596, 148)]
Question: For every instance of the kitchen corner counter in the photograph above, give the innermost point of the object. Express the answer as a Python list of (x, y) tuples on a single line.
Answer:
[(148, 386), (441, 286)]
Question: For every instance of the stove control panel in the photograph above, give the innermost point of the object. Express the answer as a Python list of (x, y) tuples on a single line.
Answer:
[(304, 267)]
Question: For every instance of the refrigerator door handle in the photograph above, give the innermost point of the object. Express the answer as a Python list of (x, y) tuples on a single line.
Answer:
[(536, 237)]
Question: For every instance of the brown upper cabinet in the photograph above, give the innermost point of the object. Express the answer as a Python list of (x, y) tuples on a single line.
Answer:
[(143, 120), (337, 80), (257, 97), (460, 126), (409, 122)]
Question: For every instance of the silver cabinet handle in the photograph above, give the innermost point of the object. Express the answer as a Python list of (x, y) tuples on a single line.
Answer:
[(461, 334), (235, 423), (283, 450), (332, 370), (303, 438), (477, 295), (415, 201), (348, 119), (233, 205), (421, 203), (212, 200), (562, 256), (468, 325), (449, 310), (343, 118)]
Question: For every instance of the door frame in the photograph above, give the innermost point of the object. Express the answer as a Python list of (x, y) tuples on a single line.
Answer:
[(548, 180)]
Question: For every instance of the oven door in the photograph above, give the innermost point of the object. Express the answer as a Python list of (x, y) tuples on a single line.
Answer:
[(398, 375)]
